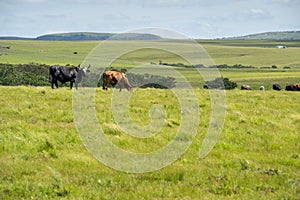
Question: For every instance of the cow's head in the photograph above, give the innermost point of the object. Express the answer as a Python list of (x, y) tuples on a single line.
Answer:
[(83, 70)]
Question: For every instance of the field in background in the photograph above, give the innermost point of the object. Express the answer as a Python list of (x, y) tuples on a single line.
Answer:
[(256, 53)]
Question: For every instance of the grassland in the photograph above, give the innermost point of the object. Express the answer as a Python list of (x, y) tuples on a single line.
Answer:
[(256, 157), (43, 157), (256, 53)]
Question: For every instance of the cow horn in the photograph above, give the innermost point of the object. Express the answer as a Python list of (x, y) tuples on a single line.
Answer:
[(89, 66)]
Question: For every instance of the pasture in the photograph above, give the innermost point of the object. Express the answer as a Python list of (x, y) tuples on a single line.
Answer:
[(256, 157), (42, 155)]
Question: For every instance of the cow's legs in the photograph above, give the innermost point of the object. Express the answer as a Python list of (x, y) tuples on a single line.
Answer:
[(104, 86), (71, 85), (54, 81), (76, 85)]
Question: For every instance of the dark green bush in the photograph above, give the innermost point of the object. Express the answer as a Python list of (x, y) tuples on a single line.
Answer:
[(220, 83), (26, 74)]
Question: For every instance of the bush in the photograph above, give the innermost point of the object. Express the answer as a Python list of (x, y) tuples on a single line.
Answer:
[(151, 81), (26, 74), (220, 83)]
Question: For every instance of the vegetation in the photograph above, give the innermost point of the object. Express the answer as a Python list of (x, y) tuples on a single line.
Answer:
[(282, 35), (220, 83), (26, 74), (38, 75), (42, 156), (84, 36)]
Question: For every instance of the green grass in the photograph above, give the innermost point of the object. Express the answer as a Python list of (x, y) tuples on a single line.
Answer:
[(230, 52), (222, 52), (42, 156)]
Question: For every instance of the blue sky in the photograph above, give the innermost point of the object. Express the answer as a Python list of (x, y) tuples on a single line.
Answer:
[(193, 18)]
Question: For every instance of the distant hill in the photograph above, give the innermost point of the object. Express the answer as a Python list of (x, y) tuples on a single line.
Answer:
[(282, 35), (75, 36), (14, 38), (80, 36)]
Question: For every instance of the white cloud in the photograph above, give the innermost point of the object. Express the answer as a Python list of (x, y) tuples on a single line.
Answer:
[(257, 11), (287, 2)]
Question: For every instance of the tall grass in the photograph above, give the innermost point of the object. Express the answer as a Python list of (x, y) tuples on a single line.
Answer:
[(42, 156)]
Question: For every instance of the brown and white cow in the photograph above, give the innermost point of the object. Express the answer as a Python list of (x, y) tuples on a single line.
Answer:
[(113, 78), (293, 87), (245, 87), (262, 88)]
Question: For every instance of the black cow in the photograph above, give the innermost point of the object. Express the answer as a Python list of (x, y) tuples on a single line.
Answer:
[(293, 87), (67, 74), (276, 87), (289, 88)]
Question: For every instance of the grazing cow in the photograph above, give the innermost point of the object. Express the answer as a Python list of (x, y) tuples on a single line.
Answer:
[(67, 74), (245, 87), (293, 87), (262, 88), (276, 87), (113, 78)]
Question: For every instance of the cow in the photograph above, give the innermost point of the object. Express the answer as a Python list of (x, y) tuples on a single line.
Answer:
[(276, 87), (113, 78), (293, 87), (262, 88), (67, 74), (245, 87)]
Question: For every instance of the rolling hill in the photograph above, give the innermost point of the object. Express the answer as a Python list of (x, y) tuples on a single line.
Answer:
[(283, 35), (82, 36)]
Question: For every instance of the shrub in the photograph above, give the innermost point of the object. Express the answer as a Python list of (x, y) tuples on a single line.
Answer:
[(26, 74), (220, 83), (152, 81)]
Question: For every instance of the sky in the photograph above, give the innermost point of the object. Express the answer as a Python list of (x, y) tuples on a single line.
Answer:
[(192, 18)]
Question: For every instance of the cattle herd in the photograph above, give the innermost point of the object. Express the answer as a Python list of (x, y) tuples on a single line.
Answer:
[(75, 74), (291, 87)]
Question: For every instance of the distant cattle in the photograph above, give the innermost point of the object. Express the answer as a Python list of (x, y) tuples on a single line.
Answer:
[(276, 87), (262, 88), (245, 87), (293, 87), (113, 78), (67, 74)]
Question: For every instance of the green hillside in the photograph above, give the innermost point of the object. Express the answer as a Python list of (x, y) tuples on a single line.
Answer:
[(75, 36), (83, 36), (282, 35)]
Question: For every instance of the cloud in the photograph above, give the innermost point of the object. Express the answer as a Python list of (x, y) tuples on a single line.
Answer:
[(287, 2), (256, 14), (23, 1), (257, 11)]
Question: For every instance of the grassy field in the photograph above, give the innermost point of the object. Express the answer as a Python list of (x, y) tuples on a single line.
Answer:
[(256, 157), (255, 53), (43, 157)]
